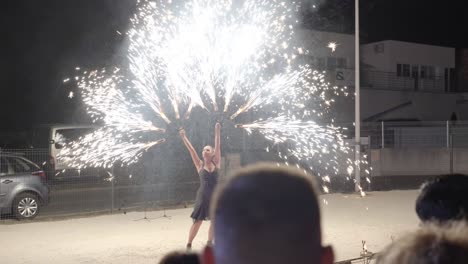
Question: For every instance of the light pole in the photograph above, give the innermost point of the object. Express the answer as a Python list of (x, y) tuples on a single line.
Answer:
[(357, 101)]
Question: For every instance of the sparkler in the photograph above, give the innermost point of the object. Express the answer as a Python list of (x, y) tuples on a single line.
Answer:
[(220, 56)]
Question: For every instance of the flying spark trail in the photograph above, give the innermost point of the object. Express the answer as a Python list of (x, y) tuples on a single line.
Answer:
[(117, 140), (106, 101), (307, 141), (103, 148)]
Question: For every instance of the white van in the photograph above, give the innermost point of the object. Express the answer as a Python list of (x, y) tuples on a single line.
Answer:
[(53, 137)]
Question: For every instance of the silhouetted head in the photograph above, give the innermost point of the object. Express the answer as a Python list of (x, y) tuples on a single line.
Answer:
[(267, 214), (180, 258), (431, 244), (444, 198)]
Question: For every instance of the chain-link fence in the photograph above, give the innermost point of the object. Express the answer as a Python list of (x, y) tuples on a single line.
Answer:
[(415, 134), (405, 154), (398, 152), (73, 191)]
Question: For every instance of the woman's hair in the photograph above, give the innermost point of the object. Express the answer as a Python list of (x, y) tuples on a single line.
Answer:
[(432, 244), (177, 257)]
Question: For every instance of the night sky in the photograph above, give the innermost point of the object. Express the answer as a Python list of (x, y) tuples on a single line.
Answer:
[(43, 41)]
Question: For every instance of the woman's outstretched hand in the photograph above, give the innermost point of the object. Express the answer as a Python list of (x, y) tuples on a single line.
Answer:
[(182, 132)]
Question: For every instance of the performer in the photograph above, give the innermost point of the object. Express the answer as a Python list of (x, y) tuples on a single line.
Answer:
[(208, 172)]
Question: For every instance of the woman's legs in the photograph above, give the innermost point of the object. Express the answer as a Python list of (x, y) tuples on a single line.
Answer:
[(194, 230), (210, 234)]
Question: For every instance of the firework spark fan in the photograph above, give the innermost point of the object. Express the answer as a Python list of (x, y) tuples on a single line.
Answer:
[(220, 56)]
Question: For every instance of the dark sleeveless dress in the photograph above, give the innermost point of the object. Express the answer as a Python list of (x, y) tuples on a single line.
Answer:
[(208, 181)]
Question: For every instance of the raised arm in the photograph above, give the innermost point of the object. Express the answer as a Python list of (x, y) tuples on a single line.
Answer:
[(217, 154), (193, 153)]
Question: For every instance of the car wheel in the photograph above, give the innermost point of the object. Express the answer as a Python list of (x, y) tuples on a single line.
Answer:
[(26, 206)]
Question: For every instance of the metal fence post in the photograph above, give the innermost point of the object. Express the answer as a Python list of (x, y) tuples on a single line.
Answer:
[(451, 154), (383, 134), (448, 134), (112, 190)]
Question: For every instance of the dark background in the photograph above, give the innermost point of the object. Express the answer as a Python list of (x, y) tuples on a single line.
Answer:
[(43, 41)]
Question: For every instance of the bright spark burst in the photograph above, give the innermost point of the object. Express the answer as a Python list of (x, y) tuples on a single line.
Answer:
[(325, 189), (332, 46), (201, 49), (218, 55)]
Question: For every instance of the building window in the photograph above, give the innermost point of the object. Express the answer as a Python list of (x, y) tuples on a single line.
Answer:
[(379, 48), (423, 72), (438, 72), (415, 71), (406, 70), (430, 72), (342, 63), (331, 63), (321, 63), (311, 61), (403, 70)]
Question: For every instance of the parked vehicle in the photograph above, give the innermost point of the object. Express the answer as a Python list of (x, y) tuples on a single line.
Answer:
[(23, 188), (52, 138)]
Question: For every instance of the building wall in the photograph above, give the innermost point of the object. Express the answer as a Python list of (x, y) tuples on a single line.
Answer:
[(409, 66), (379, 62), (419, 54), (385, 90), (375, 60), (424, 106), (415, 162), (316, 43), (385, 55)]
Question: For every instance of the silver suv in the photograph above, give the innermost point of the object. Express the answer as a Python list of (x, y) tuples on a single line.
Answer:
[(23, 189)]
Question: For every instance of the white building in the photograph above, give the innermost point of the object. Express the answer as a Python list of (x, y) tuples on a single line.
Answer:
[(408, 66), (339, 64), (400, 80)]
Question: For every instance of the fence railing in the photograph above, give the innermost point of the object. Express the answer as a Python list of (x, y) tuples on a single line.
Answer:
[(415, 134)]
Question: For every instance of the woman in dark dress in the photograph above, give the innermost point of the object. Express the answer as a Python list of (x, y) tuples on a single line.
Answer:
[(208, 172)]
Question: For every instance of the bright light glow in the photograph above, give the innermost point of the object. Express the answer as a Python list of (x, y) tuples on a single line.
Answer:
[(220, 56), (332, 46)]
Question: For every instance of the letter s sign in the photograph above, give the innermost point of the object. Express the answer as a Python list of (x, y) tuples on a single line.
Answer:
[(340, 76)]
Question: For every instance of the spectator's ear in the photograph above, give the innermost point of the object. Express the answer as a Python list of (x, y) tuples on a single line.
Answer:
[(207, 256), (327, 255)]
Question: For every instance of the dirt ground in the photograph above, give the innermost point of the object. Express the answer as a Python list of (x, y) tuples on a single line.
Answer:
[(125, 238)]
